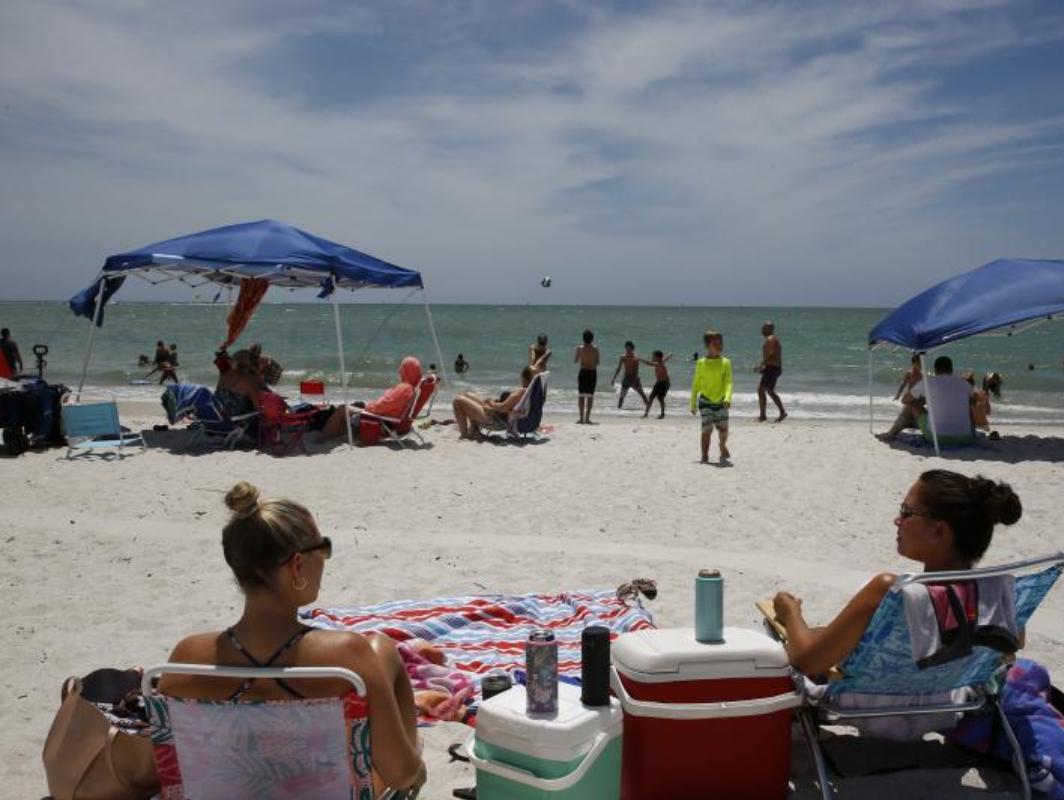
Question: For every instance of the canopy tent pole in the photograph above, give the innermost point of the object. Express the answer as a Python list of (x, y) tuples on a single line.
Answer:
[(435, 340), (340, 352), (871, 413), (92, 336), (927, 396)]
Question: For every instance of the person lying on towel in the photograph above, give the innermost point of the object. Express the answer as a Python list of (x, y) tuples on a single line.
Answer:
[(946, 523), (278, 557)]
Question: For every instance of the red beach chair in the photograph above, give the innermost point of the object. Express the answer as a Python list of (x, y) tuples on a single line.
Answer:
[(281, 431), (373, 426)]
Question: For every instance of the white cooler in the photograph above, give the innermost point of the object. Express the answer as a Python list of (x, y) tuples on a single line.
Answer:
[(574, 755)]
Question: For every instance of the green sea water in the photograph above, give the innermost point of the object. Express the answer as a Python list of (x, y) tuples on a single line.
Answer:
[(825, 357)]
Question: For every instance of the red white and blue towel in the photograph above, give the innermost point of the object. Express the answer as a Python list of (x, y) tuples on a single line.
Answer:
[(481, 635)]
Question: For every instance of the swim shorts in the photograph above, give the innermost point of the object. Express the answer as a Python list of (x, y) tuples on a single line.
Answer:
[(586, 381), (661, 388), (769, 375), (631, 382), (714, 415)]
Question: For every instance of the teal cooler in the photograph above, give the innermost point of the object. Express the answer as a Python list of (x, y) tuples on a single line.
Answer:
[(572, 755)]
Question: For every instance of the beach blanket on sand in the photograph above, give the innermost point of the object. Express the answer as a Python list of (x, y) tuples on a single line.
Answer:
[(472, 637)]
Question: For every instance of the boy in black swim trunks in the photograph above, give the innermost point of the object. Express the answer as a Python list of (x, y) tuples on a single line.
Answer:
[(771, 368), (629, 361), (661, 381), (587, 356)]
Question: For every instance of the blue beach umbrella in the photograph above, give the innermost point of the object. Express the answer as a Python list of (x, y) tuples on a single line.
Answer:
[(1012, 294)]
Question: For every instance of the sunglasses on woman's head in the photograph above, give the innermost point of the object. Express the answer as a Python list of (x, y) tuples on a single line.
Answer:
[(325, 545)]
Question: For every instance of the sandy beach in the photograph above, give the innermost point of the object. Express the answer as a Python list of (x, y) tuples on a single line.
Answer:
[(110, 563)]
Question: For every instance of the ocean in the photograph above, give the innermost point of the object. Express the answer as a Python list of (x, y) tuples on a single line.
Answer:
[(825, 358)]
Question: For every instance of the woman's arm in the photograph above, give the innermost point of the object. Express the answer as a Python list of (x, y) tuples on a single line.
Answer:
[(508, 405), (814, 651)]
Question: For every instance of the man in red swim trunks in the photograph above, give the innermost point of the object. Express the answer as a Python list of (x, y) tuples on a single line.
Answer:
[(771, 368)]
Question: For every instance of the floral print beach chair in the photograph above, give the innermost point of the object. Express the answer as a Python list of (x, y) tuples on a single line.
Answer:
[(267, 750)]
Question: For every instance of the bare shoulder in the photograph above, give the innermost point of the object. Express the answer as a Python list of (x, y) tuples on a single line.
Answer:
[(199, 648), (876, 588)]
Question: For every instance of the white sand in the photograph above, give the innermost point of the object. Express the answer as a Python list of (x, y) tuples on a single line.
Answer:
[(109, 564)]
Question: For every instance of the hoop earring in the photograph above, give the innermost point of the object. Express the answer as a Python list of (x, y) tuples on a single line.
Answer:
[(301, 587)]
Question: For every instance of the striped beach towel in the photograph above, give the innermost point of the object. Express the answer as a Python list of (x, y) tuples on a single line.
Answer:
[(481, 635)]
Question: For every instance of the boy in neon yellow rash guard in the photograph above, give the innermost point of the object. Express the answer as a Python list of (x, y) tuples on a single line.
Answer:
[(711, 392)]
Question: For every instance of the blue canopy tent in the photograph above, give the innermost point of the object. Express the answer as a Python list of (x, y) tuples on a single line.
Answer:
[(1005, 295), (279, 254)]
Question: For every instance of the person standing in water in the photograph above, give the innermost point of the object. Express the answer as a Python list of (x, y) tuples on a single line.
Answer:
[(629, 362), (538, 354), (661, 381), (461, 366), (587, 356), (11, 354), (771, 368)]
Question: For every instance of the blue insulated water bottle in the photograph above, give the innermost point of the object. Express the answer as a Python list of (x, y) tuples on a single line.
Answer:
[(709, 607)]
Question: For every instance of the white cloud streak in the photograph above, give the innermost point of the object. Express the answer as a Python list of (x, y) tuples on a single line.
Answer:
[(791, 153)]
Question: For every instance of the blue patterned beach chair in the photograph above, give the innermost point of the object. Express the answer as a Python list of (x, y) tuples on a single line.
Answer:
[(263, 750), (882, 664)]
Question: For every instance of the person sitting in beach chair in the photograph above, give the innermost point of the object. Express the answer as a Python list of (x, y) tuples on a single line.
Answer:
[(950, 404), (473, 412), (393, 404), (946, 523), (278, 557)]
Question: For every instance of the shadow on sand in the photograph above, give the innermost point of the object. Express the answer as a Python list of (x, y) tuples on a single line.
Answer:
[(1009, 449)]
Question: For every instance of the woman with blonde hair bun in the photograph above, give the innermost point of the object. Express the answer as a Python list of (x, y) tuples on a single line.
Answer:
[(278, 556)]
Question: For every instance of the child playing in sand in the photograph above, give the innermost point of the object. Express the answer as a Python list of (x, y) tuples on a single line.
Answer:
[(587, 356), (661, 381), (629, 362), (711, 393)]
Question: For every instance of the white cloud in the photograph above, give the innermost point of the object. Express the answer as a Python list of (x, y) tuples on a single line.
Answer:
[(786, 143)]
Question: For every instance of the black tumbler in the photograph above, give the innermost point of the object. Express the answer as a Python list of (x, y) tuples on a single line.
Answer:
[(595, 666), (495, 684)]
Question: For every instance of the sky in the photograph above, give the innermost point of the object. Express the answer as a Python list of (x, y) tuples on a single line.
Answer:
[(709, 153)]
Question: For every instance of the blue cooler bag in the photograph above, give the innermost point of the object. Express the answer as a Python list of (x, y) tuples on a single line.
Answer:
[(572, 755)]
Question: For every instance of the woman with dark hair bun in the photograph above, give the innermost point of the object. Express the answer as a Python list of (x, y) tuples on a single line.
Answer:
[(945, 522)]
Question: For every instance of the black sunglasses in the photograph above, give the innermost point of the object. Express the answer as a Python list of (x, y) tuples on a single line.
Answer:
[(904, 512), (325, 545)]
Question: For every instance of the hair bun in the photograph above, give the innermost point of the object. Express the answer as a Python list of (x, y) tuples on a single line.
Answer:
[(999, 502), (243, 499)]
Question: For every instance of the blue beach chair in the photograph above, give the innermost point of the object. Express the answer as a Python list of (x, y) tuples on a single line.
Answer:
[(527, 415), (883, 664), (84, 424)]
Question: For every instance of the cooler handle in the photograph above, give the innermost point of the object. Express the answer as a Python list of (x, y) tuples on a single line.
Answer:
[(720, 710), (526, 778)]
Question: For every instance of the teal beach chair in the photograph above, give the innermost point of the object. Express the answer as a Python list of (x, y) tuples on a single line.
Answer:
[(85, 423), (883, 664)]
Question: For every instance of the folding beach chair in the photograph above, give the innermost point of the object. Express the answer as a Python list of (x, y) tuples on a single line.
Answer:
[(209, 422), (263, 750), (281, 431), (398, 429), (85, 423), (883, 664), (525, 418)]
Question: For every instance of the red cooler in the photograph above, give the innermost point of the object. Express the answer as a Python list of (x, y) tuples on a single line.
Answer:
[(704, 720)]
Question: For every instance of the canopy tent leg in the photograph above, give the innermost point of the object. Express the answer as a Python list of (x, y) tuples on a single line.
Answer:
[(871, 412), (343, 369), (92, 336), (435, 340), (927, 395)]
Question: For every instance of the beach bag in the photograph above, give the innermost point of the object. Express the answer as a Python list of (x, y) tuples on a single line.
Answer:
[(86, 756)]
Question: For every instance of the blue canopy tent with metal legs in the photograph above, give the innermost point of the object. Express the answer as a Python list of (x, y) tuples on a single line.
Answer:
[(1007, 295), (280, 254)]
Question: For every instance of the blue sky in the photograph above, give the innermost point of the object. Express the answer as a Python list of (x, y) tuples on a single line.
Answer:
[(716, 153)]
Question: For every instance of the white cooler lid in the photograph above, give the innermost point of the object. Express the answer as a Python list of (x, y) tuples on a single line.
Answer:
[(502, 722), (673, 654)]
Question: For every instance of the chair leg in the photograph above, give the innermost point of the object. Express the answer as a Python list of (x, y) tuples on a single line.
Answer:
[(1019, 764), (812, 737)]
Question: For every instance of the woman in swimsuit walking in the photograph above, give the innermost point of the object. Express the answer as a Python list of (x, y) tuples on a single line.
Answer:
[(278, 557)]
